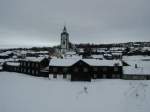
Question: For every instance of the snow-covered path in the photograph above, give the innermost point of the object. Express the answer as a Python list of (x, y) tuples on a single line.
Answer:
[(22, 93)]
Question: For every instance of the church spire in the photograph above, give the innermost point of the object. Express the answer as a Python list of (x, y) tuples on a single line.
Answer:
[(65, 29)]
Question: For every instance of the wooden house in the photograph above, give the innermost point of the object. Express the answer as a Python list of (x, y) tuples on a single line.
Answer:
[(61, 68), (80, 71), (101, 69), (33, 65), (11, 66), (44, 72), (85, 69)]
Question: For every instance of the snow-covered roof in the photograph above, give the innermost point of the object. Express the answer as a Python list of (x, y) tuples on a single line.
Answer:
[(2, 60), (73, 57), (146, 48), (92, 62), (34, 59), (137, 67), (128, 70), (3, 54), (96, 62), (37, 52), (13, 63), (116, 53), (139, 60), (62, 62), (97, 56), (136, 58), (70, 53), (117, 48)]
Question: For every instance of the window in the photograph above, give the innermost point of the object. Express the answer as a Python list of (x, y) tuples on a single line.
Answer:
[(95, 69), (114, 76), (37, 72), (64, 76), (37, 65), (54, 69), (85, 69), (28, 64), (104, 76), (76, 70), (55, 76), (135, 77), (65, 70), (95, 76), (116, 69), (32, 71), (104, 69), (28, 70), (21, 70), (24, 70), (32, 65), (24, 63)]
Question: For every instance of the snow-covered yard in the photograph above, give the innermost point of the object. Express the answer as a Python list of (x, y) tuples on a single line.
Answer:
[(22, 93)]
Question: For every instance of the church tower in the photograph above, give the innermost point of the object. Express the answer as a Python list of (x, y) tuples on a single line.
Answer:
[(64, 40)]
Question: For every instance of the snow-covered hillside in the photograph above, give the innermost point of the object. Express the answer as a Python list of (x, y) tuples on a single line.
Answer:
[(22, 93)]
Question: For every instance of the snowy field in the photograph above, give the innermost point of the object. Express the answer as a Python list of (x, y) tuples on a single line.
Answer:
[(22, 93)]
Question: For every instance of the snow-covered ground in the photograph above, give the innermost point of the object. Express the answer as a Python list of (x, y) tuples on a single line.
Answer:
[(22, 93)]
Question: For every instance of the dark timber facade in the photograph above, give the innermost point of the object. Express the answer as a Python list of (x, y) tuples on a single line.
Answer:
[(83, 71), (33, 67)]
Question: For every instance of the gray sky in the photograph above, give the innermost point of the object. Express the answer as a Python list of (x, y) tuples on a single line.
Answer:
[(40, 22)]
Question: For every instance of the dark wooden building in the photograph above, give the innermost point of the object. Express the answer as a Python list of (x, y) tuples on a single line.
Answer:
[(33, 65), (11, 66), (101, 69), (80, 71), (85, 69)]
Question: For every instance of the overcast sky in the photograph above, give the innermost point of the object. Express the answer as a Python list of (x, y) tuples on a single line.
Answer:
[(40, 22)]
